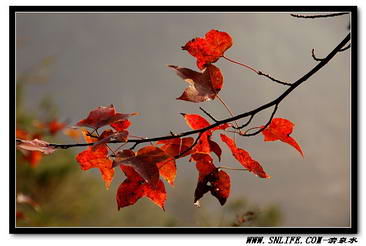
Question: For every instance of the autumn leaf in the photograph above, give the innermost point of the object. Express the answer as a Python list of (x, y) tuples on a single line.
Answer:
[(21, 134), (35, 145), (244, 158), (74, 133), (280, 129), (33, 157), (121, 125), (210, 179), (104, 139), (202, 86), (209, 49), (144, 162), (55, 126), (97, 158), (135, 187), (168, 170), (205, 144), (176, 146), (102, 116)]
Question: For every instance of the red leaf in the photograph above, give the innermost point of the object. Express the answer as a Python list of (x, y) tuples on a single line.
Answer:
[(104, 139), (102, 116), (209, 49), (202, 86), (33, 157), (208, 173), (176, 146), (205, 144), (36, 145), (55, 126), (144, 162), (244, 158), (134, 188), (121, 125), (97, 159), (280, 129), (168, 170), (21, 134)]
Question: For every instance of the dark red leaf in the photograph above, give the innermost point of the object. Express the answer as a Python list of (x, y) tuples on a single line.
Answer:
[(102, 116), (144, 162)]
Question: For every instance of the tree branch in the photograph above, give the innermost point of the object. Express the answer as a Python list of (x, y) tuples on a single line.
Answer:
[(250, 113), (318, 16)]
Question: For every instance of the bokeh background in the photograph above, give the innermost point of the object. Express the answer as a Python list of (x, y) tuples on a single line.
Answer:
[(68, 64)]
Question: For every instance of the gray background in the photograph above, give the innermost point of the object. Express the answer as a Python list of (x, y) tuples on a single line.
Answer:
[(121, 58)]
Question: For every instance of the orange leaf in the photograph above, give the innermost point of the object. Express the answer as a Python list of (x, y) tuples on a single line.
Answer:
[(202, 86), (97, 159), (280, 129), (244, 158), (102, 116), (168, 170), (176, 146), (209, 49), (33, 157)]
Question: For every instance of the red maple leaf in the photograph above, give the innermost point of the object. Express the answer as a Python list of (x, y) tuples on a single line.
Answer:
[(280, 129), (244, 158), (205, 144), (121, 125), (144, 162), (102, 116), (202, 86), (176, 146), (210, 179), (97, 158), (209, 49), (134, 187)]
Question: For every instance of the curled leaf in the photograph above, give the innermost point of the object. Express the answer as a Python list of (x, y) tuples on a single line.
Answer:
[(202, 86), (36, 145), (244, 158), (209, 49), (280, 129), (102, 116), (210, 179)]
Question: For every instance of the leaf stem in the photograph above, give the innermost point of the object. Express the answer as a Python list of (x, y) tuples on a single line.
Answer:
[(241, 64)]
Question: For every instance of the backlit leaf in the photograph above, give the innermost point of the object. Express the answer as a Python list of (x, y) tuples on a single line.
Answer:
[(210, 48), (280, 129), (244, 158)]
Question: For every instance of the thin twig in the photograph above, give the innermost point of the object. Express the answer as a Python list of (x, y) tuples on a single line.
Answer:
[(345, 48), (208, 114), (244, 125), (241, 64), (231, 168), (273, 79), (190, 147), (265, 126), (318, 16), (320, 59)]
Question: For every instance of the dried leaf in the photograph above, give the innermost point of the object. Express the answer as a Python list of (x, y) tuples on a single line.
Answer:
[(36, 145), (102, 116), (202, 86), (210, 179)]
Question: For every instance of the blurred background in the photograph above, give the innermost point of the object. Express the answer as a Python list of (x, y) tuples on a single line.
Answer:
[(68, 64)]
